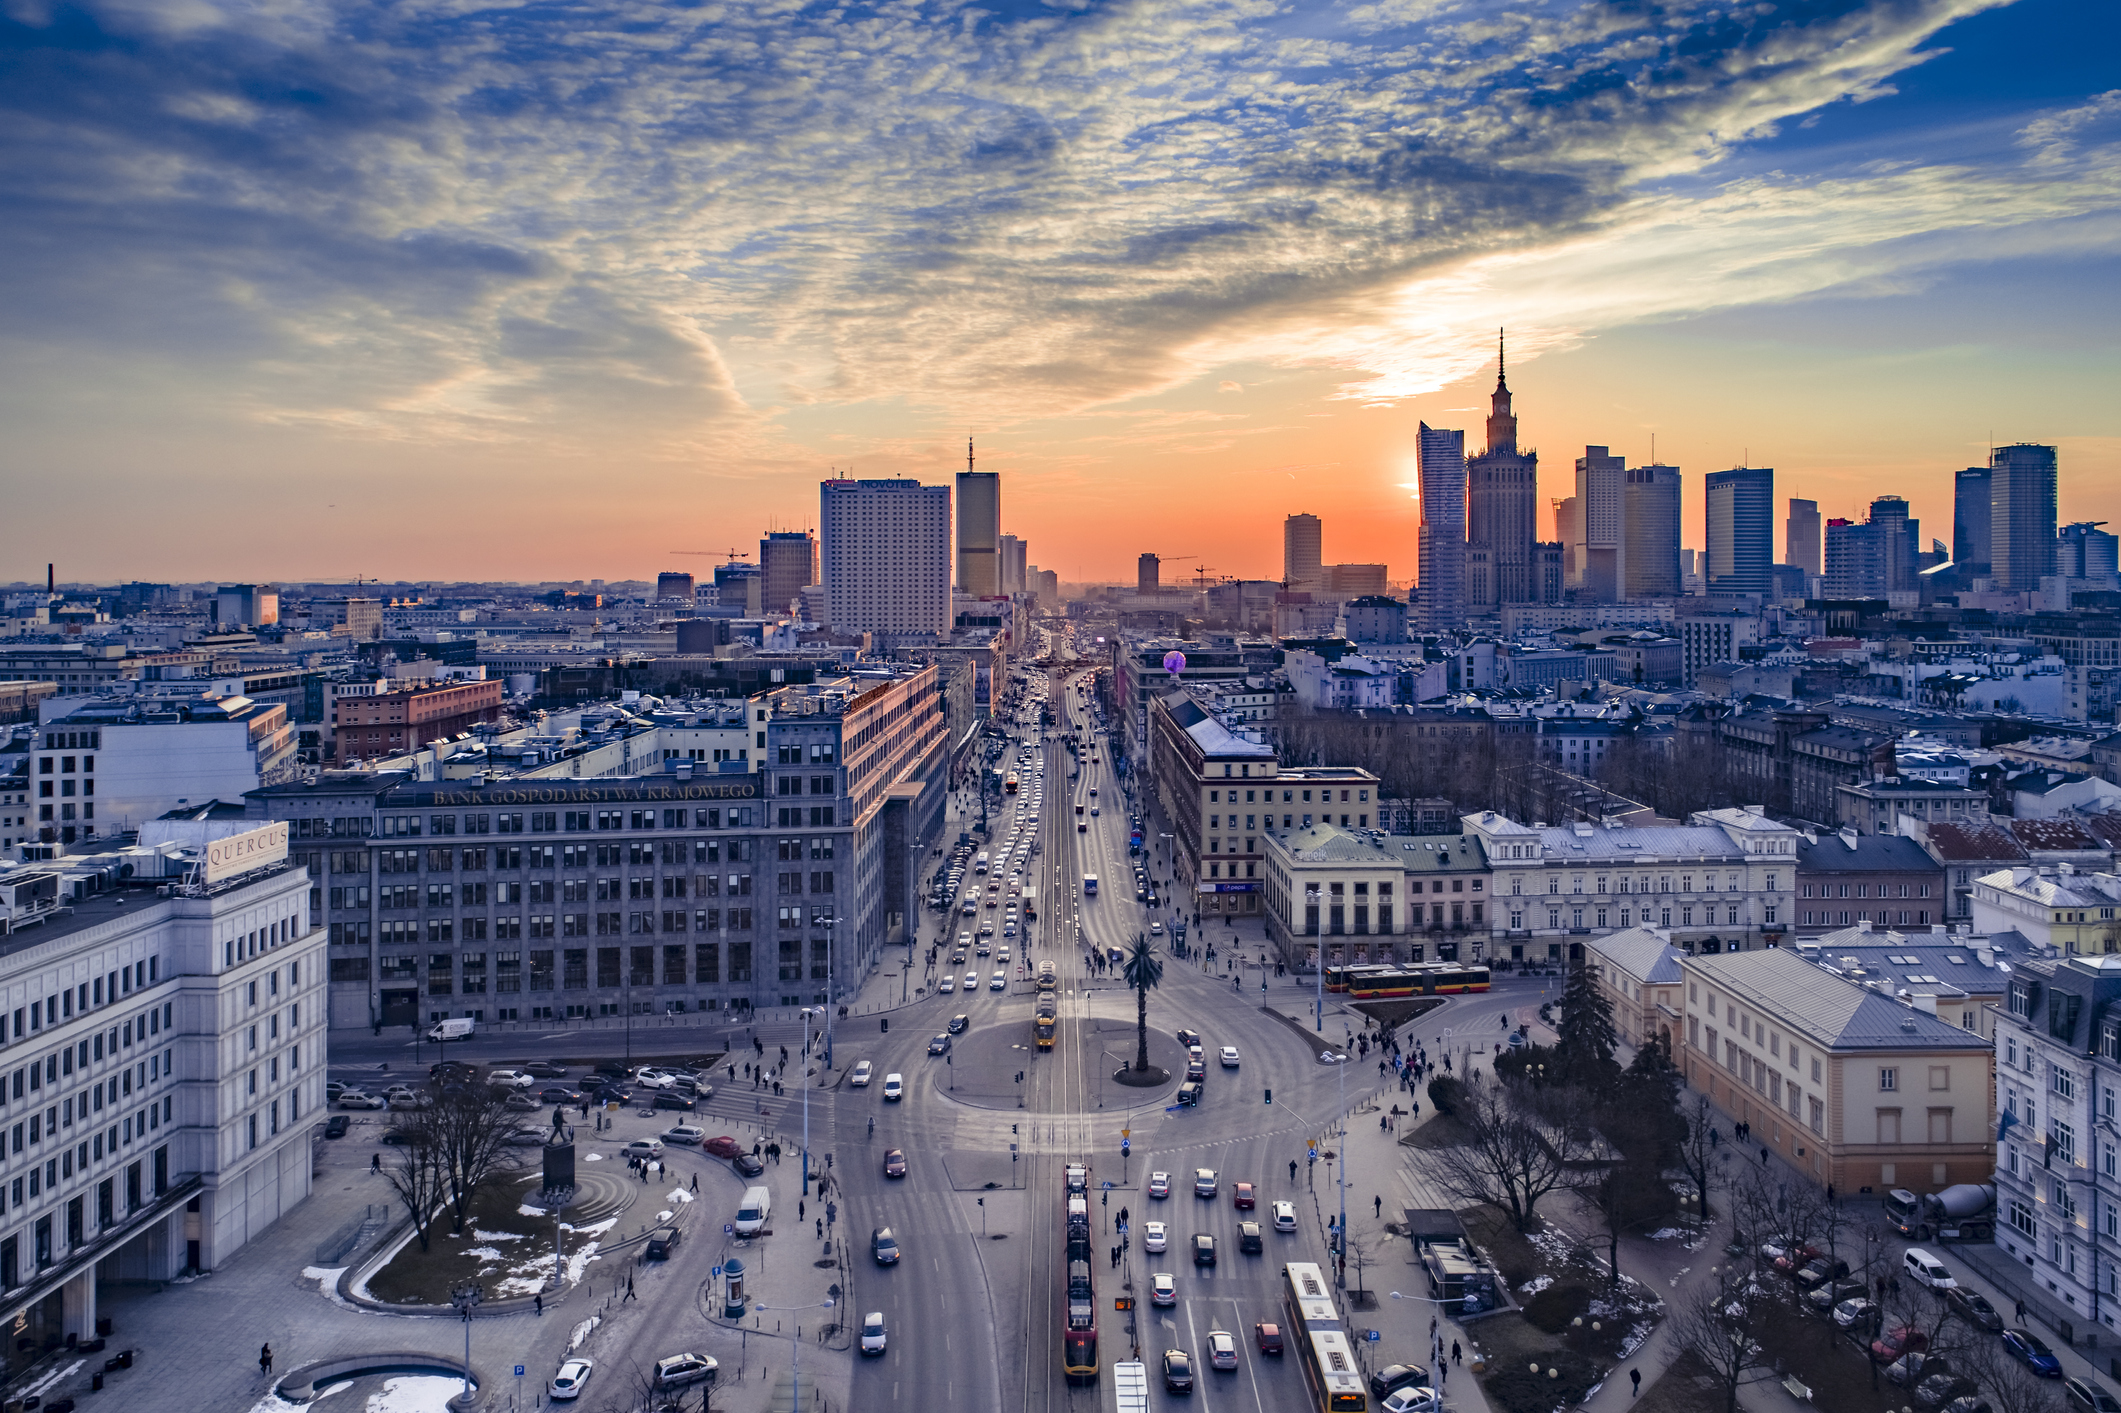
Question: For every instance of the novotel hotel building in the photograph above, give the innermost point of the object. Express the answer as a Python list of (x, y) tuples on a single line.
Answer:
[(695, 886)]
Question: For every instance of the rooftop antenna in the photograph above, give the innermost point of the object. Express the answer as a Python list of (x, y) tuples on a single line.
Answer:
[(968, 453)]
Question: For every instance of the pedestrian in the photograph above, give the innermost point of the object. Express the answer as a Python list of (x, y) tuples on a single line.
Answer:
[(1454, 1343), (695, 1183), (375, 1162), (1377, 1205), (1432, 1329), (820, 1228), (1763, 1157), (265, 1360), (1381, 1124), (1292, 1170), (629, 1290), (800, 1213), (1635, 1378), (2021, 1312), (539, 1300)]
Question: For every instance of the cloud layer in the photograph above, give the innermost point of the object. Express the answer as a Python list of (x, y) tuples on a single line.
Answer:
[(545, 221)]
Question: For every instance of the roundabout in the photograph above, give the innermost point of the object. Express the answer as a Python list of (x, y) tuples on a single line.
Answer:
[(985, 1061)]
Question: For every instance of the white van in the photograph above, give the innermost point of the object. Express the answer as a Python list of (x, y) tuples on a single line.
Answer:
[(753, 1210), (458, 1029), (979, 864), (1928, 1270)]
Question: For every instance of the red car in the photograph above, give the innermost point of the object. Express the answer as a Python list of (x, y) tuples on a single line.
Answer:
[(1243, 1197), (722, 1146), (1795, 1259), (1905, 1339), (895, 1163), (1269, 1337)]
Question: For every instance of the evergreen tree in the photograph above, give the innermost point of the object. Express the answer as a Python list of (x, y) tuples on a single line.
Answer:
[(1586, 1039)]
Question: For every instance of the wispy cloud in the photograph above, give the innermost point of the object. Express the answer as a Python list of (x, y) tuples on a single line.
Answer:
[(542, 222)]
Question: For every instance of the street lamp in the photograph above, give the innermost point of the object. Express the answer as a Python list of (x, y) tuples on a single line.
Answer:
[(466, 1298), (795, 1349), (832, 990), (807, 1010)]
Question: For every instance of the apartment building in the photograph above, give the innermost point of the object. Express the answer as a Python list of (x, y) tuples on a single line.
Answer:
[(110, 764), (695, 885), (1847, 878), (1328, 886), (161, 1054), (1639, 974), (2058, 909), (392, 723), (1843, 1081)]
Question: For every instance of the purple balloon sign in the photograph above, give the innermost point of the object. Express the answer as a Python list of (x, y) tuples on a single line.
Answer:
[(1174, 662)]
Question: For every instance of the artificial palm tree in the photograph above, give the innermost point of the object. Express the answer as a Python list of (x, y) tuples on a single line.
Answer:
[(1143, 969)]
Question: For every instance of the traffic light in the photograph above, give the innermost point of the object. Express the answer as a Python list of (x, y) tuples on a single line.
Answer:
[(1270, 1096), (1108, 1198), (1012, 1128)]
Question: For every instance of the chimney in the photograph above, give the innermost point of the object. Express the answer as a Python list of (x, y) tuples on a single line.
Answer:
[(1987, 954), (1849, 836), (51, 579)]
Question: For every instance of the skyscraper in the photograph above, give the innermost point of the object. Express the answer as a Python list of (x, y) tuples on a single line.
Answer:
[(1502, 510), (1148, 574), (1650, 510), (979, 530), (787, 566), (1016, 556), (2084, 551), (1599, 479), (1899, 543), (1302, 551), (1855, 561), (1801, 537), (1442, 461), (2021, 515), (1741, 527), (885, 547), (1970, 521)]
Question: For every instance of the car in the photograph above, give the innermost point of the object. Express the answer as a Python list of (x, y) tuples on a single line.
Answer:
[(958, 1023), (1789, 1259), (1228, 1056), (1222, 1349), (895, 1162), (1241, 1195), (399, 1137), (1826, 1297), (894, 1088), (567, 1383), (1196, 1070), (858, 1078), (1897, 1341), (644, 1148), (1285, 1216), (1819, 1272), (1925, 1269), (355, 1099), (1267, 1336), (873, 1332), (680, 1370), (1203, 1249), (1971, 1403), (722, 1145), (1163, 1290), (1159, 1185), (1204, 1182), (1155, 1236), (1415, 1398), (611, 1094), (1394, 1377), (972, 981), (947, 986), (333, 1088), (2087, 1397), (544, 1069), (1188, 1038), (1913, 1367), (1939, 1389), (671, 1099), (1000, 982), (1973, 1308), (2025, 1346), (747, 1165), (1248, 1241), (1852, 1312), (527, 1138), (684, 1134), (519, 1103), (559, 1094), (336, 1126), (1178, 1371), (883, 1246), (512, 1079), (939, 1044)]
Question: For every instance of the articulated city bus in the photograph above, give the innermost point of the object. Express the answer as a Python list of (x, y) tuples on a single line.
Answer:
[(1332, 1381)]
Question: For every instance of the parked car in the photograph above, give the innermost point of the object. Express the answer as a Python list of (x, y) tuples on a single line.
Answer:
[(1897, 1341), (2087, 1397), (1913, 1367), (399, 1137), (1940, 1389), (1792, 1259), (2025, 1346), (1973, 1308), (1826, 1297), (680, 1370), (355, 1099), (1820, 1271), (567, 1383), (334, 1088), (747, 1165), (527, 1138), (721, 1146), (1850, 1313), (1413, 1399), (336, 1126), (684, 1134), (1393, 1377)]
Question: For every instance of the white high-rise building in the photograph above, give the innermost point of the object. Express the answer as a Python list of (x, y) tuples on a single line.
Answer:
[(1442, 473), (887, 556)]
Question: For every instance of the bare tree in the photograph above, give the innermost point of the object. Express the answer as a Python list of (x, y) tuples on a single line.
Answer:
[(2010, 1386), (1699, 1152), (469, 1125), (413, 1173), (1520, 1145), (1719, 1323), (1356, 1252)]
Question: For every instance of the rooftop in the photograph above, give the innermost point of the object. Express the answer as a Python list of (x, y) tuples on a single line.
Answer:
[(1643, 953), (1834, 1014), (1850, 852), (1329, 843)]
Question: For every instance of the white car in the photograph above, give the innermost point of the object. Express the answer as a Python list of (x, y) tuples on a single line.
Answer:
[(972, 981), (1162, 1289), (567, 1383), (1155, 1236), (1229, 1056), (1204, 1182), (650, 1078), (947, 986), (1414, 1398), (1000, 982), (894, 1087), (873, 1332), (514, 1079), (1285, 1216), (859, 1079)]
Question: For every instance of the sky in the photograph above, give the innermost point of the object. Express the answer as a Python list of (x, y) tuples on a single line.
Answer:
[(570, 289)]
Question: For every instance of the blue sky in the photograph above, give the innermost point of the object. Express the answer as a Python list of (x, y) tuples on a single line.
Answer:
[(329, 283)]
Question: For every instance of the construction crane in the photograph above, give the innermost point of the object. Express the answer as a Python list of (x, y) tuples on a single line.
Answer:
[(709, 554)]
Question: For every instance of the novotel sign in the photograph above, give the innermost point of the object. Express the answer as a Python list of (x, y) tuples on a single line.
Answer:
[(242, 853)]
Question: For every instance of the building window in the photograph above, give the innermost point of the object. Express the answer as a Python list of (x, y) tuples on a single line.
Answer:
[(1888, 1079)]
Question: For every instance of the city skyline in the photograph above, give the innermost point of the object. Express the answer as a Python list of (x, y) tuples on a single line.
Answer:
[(342, 327)]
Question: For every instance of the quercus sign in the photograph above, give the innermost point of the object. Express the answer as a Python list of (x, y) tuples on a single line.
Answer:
[(240, 853)]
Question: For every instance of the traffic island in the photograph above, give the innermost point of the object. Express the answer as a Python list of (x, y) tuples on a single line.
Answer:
[(1150, 1078)]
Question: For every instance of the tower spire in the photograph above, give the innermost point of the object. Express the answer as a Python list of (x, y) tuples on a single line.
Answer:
[(968, 452), (1499, 369)]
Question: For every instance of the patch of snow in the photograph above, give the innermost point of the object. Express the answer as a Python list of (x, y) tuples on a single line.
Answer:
[(1667, 1233), (415, 1393), (1535, 1285), (498, 1235), (582, 1332), (273, 1403), (526, 1210), (664, 1216), (328, 1275), (593, 1158), (484, 1253), (340, 1387), (678, 1194), (527, 1283)]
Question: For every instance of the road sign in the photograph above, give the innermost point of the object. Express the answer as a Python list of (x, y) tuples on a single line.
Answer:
[(1126, 1133), (1106, 1184), (1372, 1336), (519, 1371), (716, 1273), (728, 1229)]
